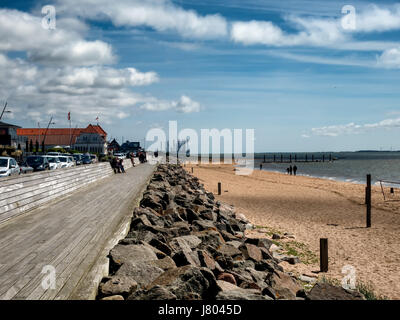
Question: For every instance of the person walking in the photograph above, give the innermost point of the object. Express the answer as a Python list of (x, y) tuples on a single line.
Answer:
[(290, 170), (294, 170), (121, 165), (114, 164), (132, 158)]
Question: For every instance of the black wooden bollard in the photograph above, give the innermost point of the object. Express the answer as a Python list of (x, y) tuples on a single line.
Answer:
[(295, 158), (274, 158), (260, 166), (219, 188), (323, 245), (192, 169), (264, 158), (290, 158), (323, 158), (281, 158), (368, 200)]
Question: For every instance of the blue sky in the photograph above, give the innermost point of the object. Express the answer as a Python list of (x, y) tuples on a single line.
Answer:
[(287, 69)]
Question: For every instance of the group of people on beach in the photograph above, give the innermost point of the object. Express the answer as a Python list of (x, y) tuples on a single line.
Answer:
[(292, 170)]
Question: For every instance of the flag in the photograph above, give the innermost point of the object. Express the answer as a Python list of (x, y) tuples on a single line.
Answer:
[(69, 116)]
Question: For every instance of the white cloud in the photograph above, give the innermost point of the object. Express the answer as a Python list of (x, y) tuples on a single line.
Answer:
[(352, 128), (322, 32), (389, 58), (183, 105), (20, 31), (376, 19), (161, 15), (36, 93)]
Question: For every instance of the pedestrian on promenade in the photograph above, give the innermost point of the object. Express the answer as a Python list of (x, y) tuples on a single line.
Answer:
[(287, 169), (121, 165), (114, 164), (290, 170), (132, 158), (294, 170)]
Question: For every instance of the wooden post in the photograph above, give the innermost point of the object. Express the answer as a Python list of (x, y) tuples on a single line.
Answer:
[(323, 244), (330, 157), (368, 200), (219, 188), (290, 158), (295, 158), (281, 158), (306, 157), (312, 158), (192, 169), (264, 158), (274, 158), (260, 166), (323, 158)]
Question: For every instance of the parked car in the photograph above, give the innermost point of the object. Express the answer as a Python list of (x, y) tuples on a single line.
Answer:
[(24, 167), (120, 155), (64, 161), (94, 158), (71, 162), (54, 154), (54, 162), (78, 158), (86, 159), (8, 167), (38, 163)]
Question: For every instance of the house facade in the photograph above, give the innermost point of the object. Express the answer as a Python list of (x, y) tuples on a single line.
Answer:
[(93, 139), (9, 136), (90, 139)]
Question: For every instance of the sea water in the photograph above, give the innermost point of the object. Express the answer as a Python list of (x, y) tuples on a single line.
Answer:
[(349, 166)]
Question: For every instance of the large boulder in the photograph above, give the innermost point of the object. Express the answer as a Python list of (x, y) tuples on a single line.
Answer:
[(122, 254), (117, 285), (142, 272), (185, 243), (188, 283), (325, 291), (283, 286), (155, 293), (250, 251)]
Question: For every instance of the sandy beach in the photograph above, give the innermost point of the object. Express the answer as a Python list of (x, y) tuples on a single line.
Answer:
[(312, 208)]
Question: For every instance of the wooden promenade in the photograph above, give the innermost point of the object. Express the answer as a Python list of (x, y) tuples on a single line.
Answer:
[(73, 235)]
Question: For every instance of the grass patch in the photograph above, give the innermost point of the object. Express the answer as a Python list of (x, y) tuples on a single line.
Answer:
[(300, 250), (367, 289)]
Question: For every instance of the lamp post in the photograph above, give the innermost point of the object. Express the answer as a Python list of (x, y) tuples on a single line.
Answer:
[(4, 111)]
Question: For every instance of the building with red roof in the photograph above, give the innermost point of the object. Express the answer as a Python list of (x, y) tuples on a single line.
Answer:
[(90, 139)]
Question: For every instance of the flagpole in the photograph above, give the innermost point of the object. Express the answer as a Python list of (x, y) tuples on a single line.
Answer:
[(70, 131)]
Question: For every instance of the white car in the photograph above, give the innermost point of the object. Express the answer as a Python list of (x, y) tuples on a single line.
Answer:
[(8, 167), (64, 161), (71, 161), (54, 162), (120, 155)]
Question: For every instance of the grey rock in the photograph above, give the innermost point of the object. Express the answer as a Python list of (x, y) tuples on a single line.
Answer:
[(121, 254), (325, 291), (142, 272), (117, 285)]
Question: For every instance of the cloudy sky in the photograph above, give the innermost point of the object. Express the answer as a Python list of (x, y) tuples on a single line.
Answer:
[(305, 75)]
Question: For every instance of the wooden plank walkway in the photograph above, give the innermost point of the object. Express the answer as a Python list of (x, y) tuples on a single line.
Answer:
[(71, 234)]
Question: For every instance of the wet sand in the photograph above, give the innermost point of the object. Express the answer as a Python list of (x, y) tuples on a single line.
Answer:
[(313, 208)]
